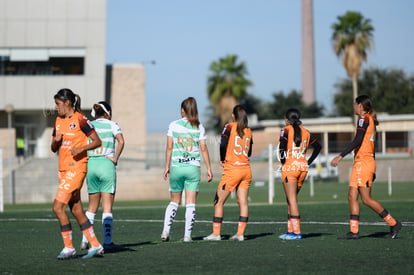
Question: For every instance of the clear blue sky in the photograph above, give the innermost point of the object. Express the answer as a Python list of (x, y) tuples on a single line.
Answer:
[(185, 36)]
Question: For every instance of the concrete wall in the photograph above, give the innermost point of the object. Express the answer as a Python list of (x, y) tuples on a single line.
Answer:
[(128, 107), (46, 24)]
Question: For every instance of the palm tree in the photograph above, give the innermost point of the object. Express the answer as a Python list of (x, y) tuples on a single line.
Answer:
[(352, 37), (227, 85)]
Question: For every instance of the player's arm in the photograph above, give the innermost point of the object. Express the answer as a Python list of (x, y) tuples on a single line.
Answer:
[(206, 157), (94, 143), (356, 142), (168, 154), (250, 148), (88, 129), (120, 143), (224, 142), (316, 146), (283, 146), (56, 141)]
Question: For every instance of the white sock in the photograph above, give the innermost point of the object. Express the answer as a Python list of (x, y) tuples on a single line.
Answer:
[(169, 217), (190, 216), (107, 227), (91, 218)]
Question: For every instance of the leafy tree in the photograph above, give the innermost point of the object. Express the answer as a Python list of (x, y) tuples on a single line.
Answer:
[(391, 90), (255, 105), (352, 37), (281, 103), (227, 85)]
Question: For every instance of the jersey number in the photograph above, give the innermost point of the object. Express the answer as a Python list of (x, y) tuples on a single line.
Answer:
[(238, 148), (186, 142)]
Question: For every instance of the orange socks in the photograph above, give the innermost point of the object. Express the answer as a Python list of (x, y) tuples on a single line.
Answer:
[(242, 225), (388, 218), (66, 231), (354, 223), (295, 220), (290, 224), (217, 221), (87, 230)]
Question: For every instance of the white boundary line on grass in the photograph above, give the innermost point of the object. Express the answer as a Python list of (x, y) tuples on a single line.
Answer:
[(204, 221)]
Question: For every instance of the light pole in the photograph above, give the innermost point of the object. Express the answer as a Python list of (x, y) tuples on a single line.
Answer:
[(9, 108)]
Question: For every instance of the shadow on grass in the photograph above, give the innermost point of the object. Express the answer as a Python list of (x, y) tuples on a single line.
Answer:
[(255, 236), (124, 247), (380, 235), (314, 235), (247, 237)]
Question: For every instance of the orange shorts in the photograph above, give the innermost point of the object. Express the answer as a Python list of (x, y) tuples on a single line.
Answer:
[(293, 174), (362, 174), (235, 177), (70, 181)]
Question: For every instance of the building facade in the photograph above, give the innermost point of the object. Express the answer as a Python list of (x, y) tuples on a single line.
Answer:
[(46, 45)]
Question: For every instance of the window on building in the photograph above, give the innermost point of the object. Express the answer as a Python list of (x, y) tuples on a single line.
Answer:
[(57, 61)]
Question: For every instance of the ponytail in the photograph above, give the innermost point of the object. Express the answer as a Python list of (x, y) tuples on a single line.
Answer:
[(367, 106), (77, 103), (293, 116), (67, 94), (240, 116), (189, 107)]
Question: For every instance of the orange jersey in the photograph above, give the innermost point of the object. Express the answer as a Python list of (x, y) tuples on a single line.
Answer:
[(295, 155), (75, 131), (238, 148), (366, 150)]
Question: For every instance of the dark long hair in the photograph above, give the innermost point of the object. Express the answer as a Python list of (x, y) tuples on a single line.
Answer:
[(240, 116), (100, 112), (189, 106), (367, 105), (67, 94), (293, 116)]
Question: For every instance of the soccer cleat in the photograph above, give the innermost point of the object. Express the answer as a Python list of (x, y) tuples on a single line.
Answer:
[(67, 253), (350, 236), (165, 237), (236, 237), (84, 245), (187, 239), (292, 237), (283, 236), (212, 237), (94, 252), (394, 230)]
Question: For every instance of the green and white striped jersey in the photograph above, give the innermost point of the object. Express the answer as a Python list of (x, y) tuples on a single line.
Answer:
[(107, 131), (186, 146)]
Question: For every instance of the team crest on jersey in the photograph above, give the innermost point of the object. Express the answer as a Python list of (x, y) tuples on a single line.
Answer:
[(72, 125)]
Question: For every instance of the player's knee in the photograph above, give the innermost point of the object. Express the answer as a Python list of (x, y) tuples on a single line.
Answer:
[(366, 201), (58, 208)]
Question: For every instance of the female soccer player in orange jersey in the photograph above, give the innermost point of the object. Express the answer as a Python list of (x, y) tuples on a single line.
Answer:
[(70, 137), (235, 150), (363, 171), (294, 142)]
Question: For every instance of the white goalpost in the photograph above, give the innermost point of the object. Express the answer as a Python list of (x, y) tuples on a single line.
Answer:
[(271, 193)]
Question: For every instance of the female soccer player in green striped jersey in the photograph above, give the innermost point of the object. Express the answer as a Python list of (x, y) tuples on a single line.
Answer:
[(186, 139), (101, 175)]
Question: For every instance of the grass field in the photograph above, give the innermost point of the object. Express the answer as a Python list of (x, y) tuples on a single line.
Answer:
[(30, 238)]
